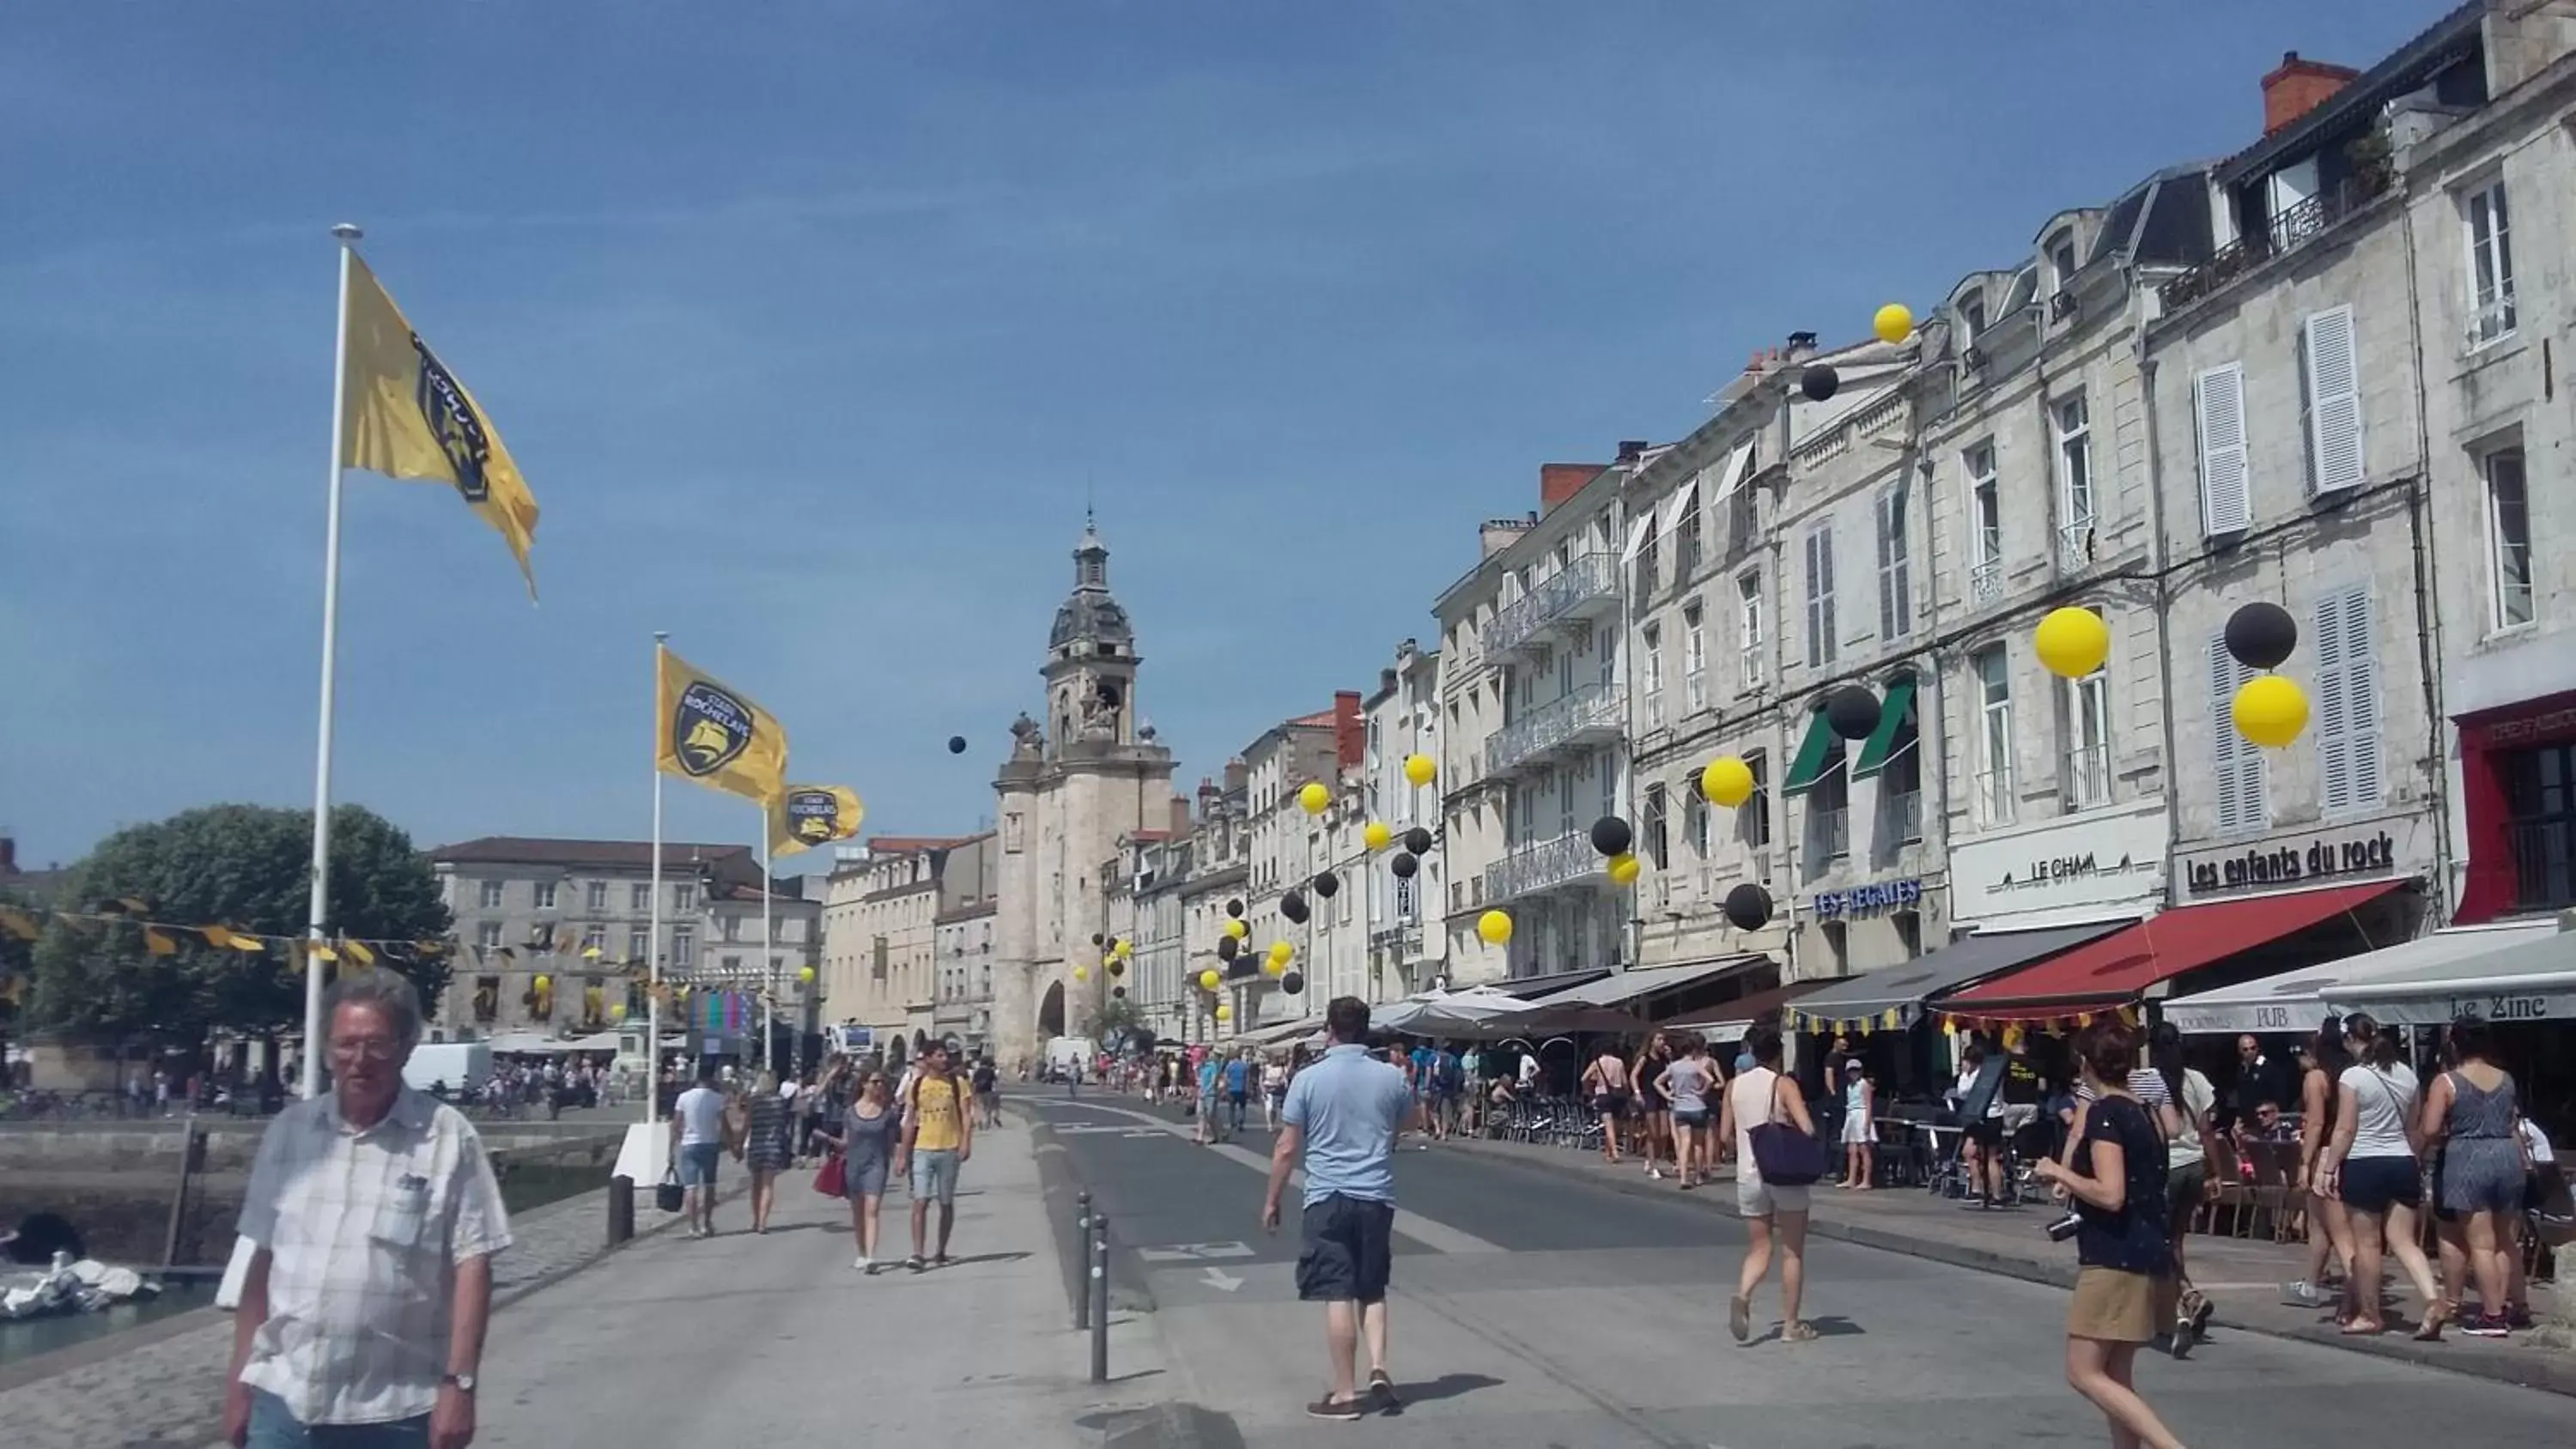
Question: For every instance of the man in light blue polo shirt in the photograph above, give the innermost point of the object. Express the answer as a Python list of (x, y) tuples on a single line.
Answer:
[(1342, 1116)]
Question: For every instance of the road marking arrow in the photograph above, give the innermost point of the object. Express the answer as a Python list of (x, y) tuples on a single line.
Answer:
[(1222, 1280), (1187, 1252)]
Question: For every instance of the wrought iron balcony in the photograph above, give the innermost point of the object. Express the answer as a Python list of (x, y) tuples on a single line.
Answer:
[(1569, 859), (1993, 796), (1582, 589), (2075, 544), (2088, 776), (1590, 714), (1905, 812), (1986, 580), (2292, 229)]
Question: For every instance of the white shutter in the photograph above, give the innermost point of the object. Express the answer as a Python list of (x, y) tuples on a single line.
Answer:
[(2361, 698), (2218, 397), (2334, 708), (2239, 762), (2334, 402)]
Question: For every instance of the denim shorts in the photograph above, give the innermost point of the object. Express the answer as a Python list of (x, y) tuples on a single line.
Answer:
[(698, 1164), (934, 1175), (274, 1426)]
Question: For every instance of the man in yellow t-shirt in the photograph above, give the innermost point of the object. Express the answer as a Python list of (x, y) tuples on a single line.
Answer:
[(938, 1135)]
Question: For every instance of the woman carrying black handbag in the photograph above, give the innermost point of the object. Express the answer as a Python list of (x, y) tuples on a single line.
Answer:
[(1776, 1158)]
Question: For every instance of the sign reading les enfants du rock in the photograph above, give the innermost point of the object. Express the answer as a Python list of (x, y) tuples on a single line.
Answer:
[(2363, 852)]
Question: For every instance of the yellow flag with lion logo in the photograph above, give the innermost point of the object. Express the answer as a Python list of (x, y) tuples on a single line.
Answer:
[(811, 815), (705, 731)]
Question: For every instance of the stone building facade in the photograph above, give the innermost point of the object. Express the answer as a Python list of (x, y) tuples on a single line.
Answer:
[(1405, 944)]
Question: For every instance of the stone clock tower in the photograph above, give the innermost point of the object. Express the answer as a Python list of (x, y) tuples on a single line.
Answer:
[(1089, 774)]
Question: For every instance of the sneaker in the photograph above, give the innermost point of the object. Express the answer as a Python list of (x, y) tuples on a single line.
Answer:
[(864, 1264), (1382, 1391), (915, 1264), (1739, 1319), (1347, 1411), (2302, 1294), (2487, 1325), (1654, 1172), (2518, 1317)]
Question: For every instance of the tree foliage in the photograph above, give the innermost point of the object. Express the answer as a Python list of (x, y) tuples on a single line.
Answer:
[(247, 867), (1117, 1019)]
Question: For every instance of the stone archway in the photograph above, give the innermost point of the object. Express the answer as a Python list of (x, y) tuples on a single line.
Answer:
[(1051, 1014)]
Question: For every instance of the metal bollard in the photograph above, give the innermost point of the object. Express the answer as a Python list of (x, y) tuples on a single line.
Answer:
[(621, 1210), (1082, 1246), (1100, 1290)]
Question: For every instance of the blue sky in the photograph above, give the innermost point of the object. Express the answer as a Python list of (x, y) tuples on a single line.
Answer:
[(812, 324)]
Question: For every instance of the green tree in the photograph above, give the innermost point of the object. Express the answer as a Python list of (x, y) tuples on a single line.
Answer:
[(1118, 1020), (242, 866)]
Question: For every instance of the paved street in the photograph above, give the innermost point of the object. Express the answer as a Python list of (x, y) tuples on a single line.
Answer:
[(1534, 1310)]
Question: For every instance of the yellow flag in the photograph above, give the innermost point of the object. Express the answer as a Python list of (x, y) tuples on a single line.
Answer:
[(811, 815), (406, 416), (716, 736)]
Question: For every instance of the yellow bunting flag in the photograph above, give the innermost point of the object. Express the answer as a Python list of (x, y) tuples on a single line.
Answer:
[(359, 953), (19, 924), (715, 735), (132, 906), (240, 942), (216, 936), (158, 942), (810, 815), (319, 950), (406, 416)]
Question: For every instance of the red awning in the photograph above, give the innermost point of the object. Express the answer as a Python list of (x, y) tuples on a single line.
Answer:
[(2115, 969)]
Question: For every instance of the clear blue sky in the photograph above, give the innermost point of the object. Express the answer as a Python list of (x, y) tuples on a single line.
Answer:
[(811, 325)]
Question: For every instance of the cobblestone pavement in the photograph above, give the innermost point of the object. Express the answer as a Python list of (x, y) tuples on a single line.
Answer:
[(168, 1393)]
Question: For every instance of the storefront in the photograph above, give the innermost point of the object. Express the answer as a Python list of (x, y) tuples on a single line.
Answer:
[(2518, 808), (2526, 990), (2295, 1002), (2096, 866)]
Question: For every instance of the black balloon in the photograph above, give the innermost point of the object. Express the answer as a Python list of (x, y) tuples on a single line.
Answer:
[(1418, 840), (1117, 967), (1293, 906), (1099, 940), (1403, 865), (1852, 711), (1820, 382), (1293, 982), (1328, 885), (956, 744), (1611, 835), (1234, 908), (1118, 991), (1749, 907), (2262, 635), (1226, 946)]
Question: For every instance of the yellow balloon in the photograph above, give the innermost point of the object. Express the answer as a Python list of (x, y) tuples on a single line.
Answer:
[(1315, 798), (1209, 980), (1894, 323), (1378, 836), (2072, 642), (1495, 927), (1624, 868), (1421, 769), (1081, 973), (1126, 949), (1237, 929), (617, 1012), (1224, 1012), (2270, 710), (1274, 967), (1727, 781), (805, 974), (1280, 951), (544, 982)]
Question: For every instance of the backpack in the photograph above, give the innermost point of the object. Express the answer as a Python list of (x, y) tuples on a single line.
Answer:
[(1447, 1073)]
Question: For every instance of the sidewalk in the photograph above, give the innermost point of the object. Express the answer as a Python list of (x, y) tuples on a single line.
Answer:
[(2242, 1277)]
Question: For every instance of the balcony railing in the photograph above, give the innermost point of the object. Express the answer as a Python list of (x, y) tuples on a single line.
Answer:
[(2493, 320), (1544, 866), (1593, 711), (1572, 592), (1993, 797), (2088, 776), (2075, 544), (1829, 833), (1905, 812), (1986, 580), (1695, 690), (2292, 229)]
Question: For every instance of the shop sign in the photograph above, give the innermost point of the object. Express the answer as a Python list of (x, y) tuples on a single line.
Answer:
[(2086, 862), (2548, 724), (1867, 900), (2360, 852), (2557, 1004)]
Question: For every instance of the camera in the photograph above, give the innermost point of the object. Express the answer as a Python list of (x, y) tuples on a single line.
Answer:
[(2065, 1227)]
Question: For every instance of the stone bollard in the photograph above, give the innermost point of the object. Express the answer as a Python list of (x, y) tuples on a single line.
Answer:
[(621, 1209)]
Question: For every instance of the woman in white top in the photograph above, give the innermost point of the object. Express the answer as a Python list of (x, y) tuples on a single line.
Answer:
[(1756, 1097), (1274, 1091), (2373, 1167)]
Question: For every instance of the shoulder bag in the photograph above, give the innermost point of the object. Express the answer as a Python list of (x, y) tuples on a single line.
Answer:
[(1785, 1156)]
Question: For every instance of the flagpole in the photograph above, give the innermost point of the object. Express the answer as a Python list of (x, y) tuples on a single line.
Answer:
[(768, 968), (318, 912), (653, 952)]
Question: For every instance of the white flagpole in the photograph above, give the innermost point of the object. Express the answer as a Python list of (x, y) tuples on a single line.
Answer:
[(318, 913), (768, 970), (653, 952)]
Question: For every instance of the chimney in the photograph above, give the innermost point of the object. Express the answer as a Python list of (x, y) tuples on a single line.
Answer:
[(1386, 680), (1802, 345), (2298, 87), (1181, 814), (8, 855), (1350, 732), (1558, 482), (1207, 791), (1238, 775)]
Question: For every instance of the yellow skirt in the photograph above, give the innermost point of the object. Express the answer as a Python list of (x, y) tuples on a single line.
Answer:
[(2115, 1307)]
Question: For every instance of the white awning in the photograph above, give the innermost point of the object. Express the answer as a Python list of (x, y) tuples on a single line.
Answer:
[(2296, 1000), (1734, 479), (1621, 987), (2534, 980), (1638, 528), (1679, 504)]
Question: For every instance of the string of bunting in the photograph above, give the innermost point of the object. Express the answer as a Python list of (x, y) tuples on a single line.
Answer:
[(162, 938), (2011, 1029)]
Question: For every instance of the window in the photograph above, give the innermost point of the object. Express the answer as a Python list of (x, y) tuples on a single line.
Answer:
[(2540, 806), (2075, 473), (684, 946), (1829, 813), (2237, 763), (1909, 932), (1900, 784), (2218, 409), (1994, 736), (2491, 312), (2347, 704), (1895, 567), (684, 897), (487, 934), (1656, 853), (2061, 261), (487, 1000), (639, 897), (1820, 596), (2508, 536), (1985, 525), (1836, 936), (1651, 672), (1972, 317), (1686, 536), (2330, 395), (730, 965), (1753, 818), (1695, 813), (490, 895), (545, 895), (1694, 658), (1748, 627), (1646, 574), (639, 944), (2088, 740)]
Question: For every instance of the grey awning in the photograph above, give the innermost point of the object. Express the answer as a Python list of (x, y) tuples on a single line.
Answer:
[(1903, 989)]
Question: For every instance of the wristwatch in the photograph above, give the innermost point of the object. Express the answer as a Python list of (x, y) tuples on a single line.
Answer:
[(463, 1382)]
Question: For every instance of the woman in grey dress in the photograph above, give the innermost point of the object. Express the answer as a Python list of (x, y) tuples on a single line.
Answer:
[(764, 1146), (2470, 1111), (866, 1141)]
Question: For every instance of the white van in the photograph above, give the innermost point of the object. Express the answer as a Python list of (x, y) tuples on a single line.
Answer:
[(458, 1065)]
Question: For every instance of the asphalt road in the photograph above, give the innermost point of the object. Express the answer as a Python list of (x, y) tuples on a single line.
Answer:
[(1535, 1311)]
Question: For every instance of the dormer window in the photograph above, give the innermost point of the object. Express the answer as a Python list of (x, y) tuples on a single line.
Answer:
[(2061, 261), (1972, 314)]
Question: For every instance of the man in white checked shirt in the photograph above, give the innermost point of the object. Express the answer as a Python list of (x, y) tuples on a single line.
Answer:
[(376, 1215)]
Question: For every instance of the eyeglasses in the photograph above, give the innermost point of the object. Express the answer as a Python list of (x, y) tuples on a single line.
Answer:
[(374, 1049)]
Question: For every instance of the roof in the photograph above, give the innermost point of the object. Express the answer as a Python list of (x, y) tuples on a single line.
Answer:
[(1320, 719), (1530, 988), (2405, 69), (607, 854), (2117, 968), (915, 844)]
